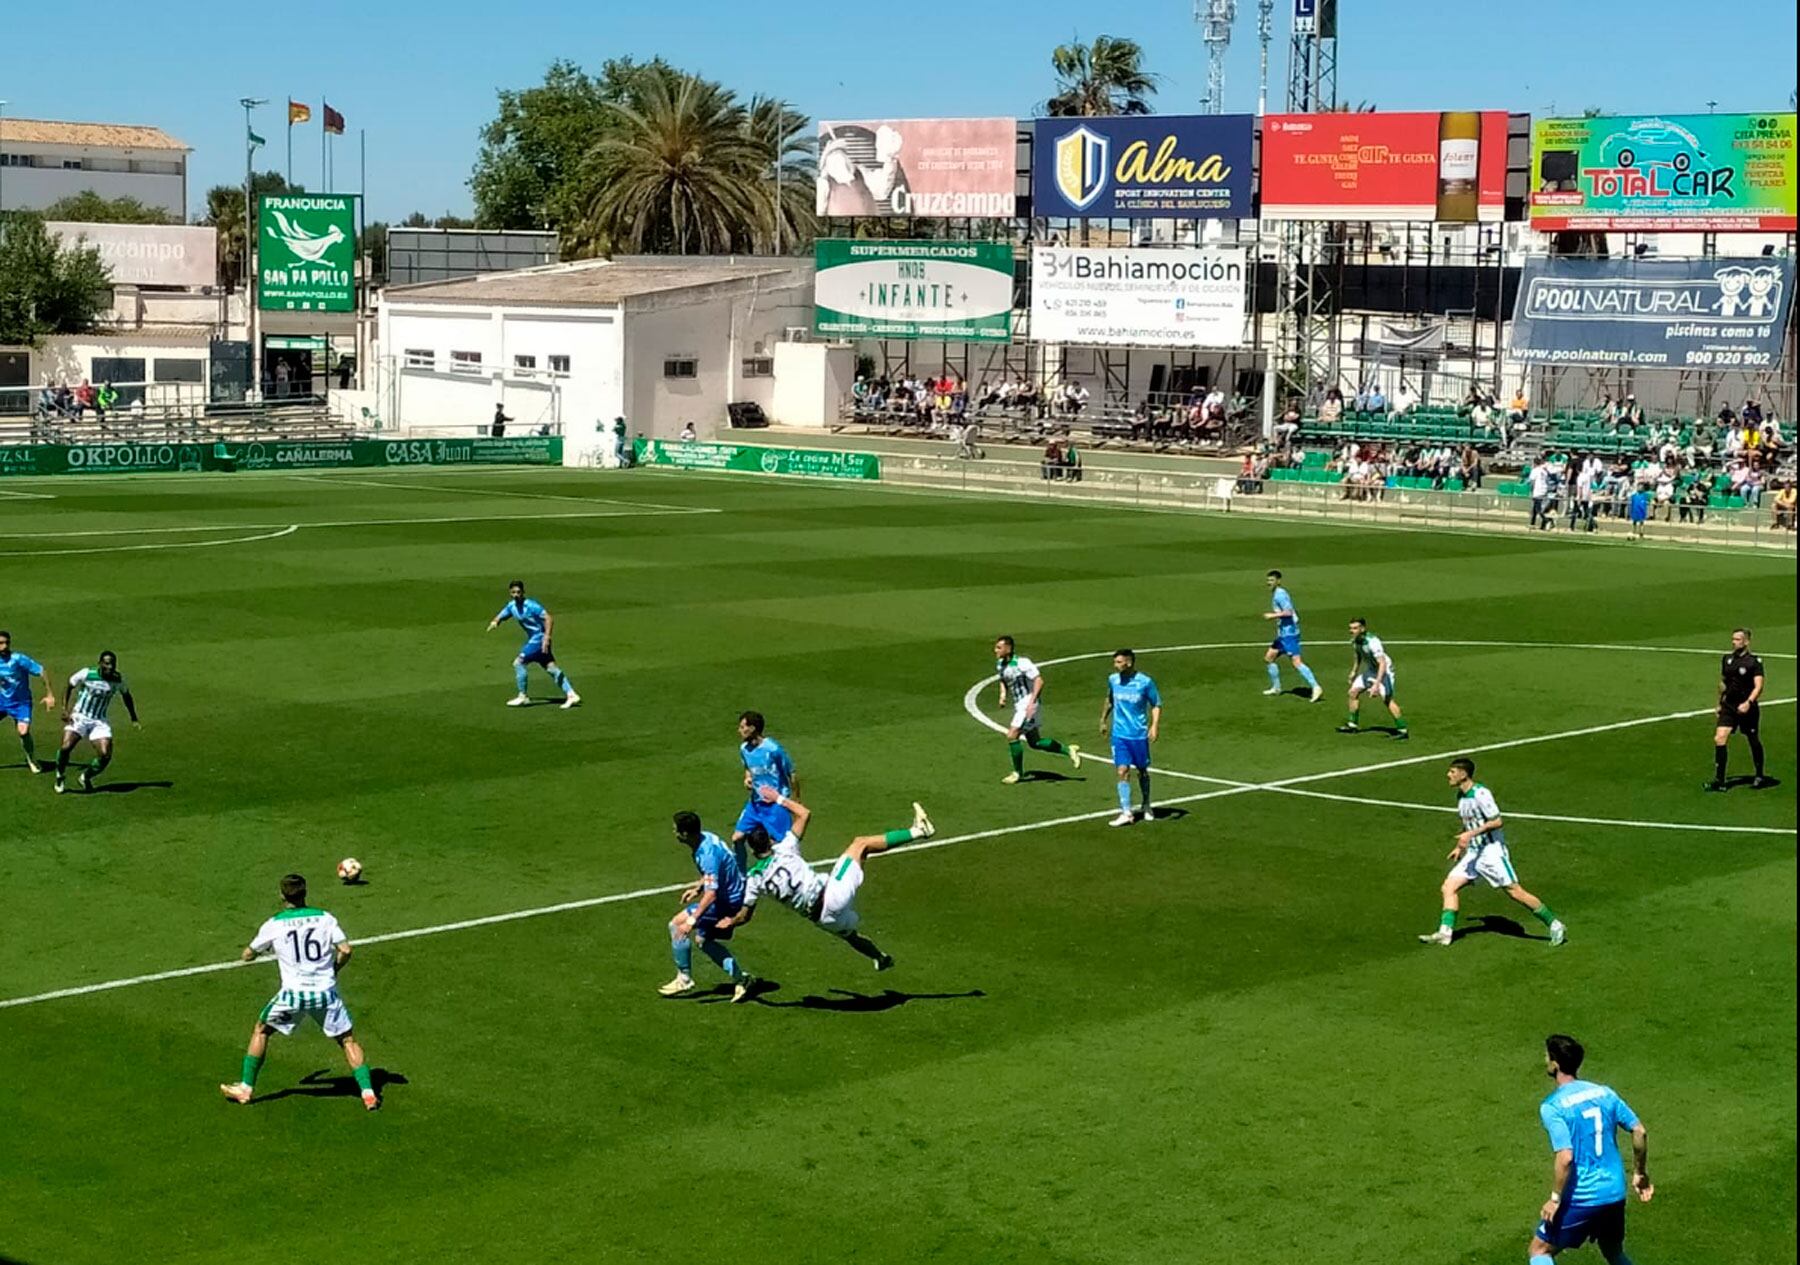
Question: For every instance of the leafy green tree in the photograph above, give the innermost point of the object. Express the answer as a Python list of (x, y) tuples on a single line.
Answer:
[(786, 151), (46, 287), (88, 207), (225, 212), (1105, 77)]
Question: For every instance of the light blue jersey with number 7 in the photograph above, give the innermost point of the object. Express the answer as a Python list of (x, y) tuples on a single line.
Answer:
[(1581, 1117)]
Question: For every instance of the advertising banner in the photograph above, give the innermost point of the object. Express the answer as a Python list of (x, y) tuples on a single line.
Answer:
[(1682, 172), (306, 253), (1154, 298), (1195, 166), (749, 459), (1449, 166), (285, 454), (934, 168), (1708, 313), (960, 291), (149, 254)]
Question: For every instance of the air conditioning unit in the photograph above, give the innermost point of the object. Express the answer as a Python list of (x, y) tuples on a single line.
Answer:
[(796, 334)]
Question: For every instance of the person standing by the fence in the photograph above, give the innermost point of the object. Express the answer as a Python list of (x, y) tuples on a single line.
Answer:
[(498, 428)]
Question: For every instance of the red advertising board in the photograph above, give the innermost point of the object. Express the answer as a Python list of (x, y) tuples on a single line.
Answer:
[(1447, 166)]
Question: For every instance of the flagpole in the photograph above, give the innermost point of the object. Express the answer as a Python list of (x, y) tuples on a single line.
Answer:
[(324, 131), (290, 166)]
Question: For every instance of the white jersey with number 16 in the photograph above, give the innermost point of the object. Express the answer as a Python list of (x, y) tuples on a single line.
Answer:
[(304, 942)]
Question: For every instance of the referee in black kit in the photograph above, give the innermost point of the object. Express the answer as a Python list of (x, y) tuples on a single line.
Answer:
[(1740, 689)]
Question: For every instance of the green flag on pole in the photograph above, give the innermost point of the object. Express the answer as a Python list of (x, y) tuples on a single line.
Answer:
[(255, 139)]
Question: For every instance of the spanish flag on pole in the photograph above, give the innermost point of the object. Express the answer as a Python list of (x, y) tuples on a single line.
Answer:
[(298, 113)]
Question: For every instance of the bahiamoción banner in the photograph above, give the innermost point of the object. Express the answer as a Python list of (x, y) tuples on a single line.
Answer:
[(1679, 313), (933, 168), (1679, 172), (959, 291), (1191, 297), (1193, 166), (1449, 167)]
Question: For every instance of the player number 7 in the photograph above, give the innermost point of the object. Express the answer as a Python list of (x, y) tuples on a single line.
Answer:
[(1599, 1128)]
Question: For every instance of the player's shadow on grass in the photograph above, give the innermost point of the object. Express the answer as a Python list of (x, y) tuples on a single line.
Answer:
[(1048, 775), (844, 1001), (324, 1083), (1496, 925), (1744, 780), (126, 788)]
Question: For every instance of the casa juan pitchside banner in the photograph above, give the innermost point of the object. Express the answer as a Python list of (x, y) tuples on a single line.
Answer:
[(1162, 298), (1449, 167), (1704, 313), (306, 253), (935, 168), (1679, 172), (1195, 166), (960, 291)]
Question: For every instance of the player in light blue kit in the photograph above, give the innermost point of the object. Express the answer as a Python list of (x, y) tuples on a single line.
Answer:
[(766, 763), (1134, 709), (719, 895), (1287, 641), (1587, 1189), (16, 671), (538, 624)]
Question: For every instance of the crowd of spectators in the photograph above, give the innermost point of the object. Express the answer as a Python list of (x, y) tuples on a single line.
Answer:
[(57, 401), (944, 401), (1676, 482)]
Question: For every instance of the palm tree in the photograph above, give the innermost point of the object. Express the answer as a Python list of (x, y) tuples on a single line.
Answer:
[(786, 154), (678, 171), (1105, 77)]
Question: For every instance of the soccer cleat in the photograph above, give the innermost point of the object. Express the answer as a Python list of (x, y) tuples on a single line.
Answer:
[(1441, 936), (571, 699), (32, 766), (1558, 933), (744, 989), (1011, 779), (1272, 691), (370, 1101), (1401, 735), (1348, 729), (1714, 785), (922, 823), (884, 963), (87, 779), (239, 1092), (519, 700), (682, 983), (1123, 819), (1075, 755), (1761, 783), (1149, 813), (1317, 693), (61, 786)]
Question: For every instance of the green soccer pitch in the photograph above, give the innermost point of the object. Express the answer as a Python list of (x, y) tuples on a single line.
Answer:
[(1212, 1038)]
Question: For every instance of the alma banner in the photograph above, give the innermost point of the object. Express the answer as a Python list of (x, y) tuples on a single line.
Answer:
[(934, 168), (1195, 166), (959, 291), (1680, 172), (1449, 167), (306, 253), (1708, 313), (1190, 297)]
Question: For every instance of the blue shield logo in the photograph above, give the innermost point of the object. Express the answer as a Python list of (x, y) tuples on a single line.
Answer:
[(1082, 168)]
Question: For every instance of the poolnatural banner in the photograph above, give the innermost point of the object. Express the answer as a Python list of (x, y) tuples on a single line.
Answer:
[(960, 291), (754, 459), (1155, 298), (1703, 313)]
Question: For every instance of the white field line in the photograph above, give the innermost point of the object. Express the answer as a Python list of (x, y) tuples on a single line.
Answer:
[(28, 496), (648, 512), (289, 530), (411, 485)]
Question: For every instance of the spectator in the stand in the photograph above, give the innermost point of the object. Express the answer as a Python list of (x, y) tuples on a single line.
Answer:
[(84, 399), (1752, 414), (1052, 467), (64, 399), (1609, 411), (1726, 417), (106, 399), (1071, 462), (46, 402), (1665, 495), (1784, 506), (1631, 413), (1695, 500), (1078, 398), (1519, 411), (1538, 477), (687, 435), (1752, 489), (1581, 498), (1331, 410), (1289, 424), (1771, 436), (622, 450), (1372, 399), (1404, 400), (1478, 397), (1214, 399), (1472, 470), (498, 427), (1638, 512)]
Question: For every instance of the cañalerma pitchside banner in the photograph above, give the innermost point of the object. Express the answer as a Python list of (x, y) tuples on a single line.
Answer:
[(1684, 313)]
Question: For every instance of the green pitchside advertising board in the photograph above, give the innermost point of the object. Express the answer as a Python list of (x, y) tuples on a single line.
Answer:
[(958, 291), (306, 253), (284, 454), (748, 459)]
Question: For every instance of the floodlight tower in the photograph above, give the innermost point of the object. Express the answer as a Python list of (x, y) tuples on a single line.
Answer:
[(1215, 18), (1265, 14)]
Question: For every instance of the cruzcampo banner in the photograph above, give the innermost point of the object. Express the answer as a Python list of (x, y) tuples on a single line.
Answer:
[(1677, 172), (957, 291), (754, 459), (284, 454), (306, 253)]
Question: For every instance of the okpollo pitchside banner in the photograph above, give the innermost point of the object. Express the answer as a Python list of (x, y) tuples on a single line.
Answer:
[(926, 167), (1680, 312), (1156, 298), (1693, 172), (1195, 166), (960, 291), (1449, 167)]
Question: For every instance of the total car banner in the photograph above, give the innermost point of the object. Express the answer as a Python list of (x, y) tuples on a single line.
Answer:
[(1188, 297)]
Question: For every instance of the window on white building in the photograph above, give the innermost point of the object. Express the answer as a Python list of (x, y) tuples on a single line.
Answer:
[(559, 364), (465, 362), (759, 366), (525, 364), (18, 160), (71, 164), (681, 367), (420, 358)]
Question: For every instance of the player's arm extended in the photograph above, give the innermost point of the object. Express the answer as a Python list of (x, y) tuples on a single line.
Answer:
[(745, 912), (1559, 1182), (130, 707), (1640, 1163), (49, 684), (343, 951), (800, 812)]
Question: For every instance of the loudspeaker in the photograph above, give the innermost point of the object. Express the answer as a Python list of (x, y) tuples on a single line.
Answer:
[(746, 414)]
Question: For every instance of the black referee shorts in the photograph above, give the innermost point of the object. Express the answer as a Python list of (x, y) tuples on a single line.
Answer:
[(1743, 722)]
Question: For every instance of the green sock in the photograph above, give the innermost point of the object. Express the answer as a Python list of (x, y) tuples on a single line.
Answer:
[(898, 836), (252, 1065), (62, 761), (1544, 915), (1400, 722), (1017, 750), (1350, 720), (94, 767), (30, 746), (1047, 744), (1447, 920), (362, 1078)]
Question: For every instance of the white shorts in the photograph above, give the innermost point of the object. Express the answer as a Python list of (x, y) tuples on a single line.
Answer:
[(1026, 716), (1380, 686), (1491, 862), (92, 729), (837, 912), (286, 1009)]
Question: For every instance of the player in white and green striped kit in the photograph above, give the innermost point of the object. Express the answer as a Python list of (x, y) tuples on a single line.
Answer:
[(311, 949), (85, 717)]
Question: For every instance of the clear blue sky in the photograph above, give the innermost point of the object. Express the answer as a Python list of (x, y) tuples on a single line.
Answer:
[(421, 77)]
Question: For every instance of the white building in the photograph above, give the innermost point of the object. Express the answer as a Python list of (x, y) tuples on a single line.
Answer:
[(43, 161), (658, 341)]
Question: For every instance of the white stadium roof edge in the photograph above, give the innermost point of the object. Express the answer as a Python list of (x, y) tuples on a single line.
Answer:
[(597, 282)]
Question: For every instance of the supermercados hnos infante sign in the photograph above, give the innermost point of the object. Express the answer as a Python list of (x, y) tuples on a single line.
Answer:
[(1680, 313), (1676, 172), (306, 253), (958, 291)]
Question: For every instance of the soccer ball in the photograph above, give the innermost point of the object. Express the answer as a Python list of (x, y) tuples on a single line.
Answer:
[(349, 869)]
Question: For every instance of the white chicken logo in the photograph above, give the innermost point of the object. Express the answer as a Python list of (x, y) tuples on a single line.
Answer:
[(308, 246)]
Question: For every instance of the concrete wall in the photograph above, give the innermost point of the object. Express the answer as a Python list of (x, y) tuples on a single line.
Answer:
[(35, 188), (68, 358), (812, 383)]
